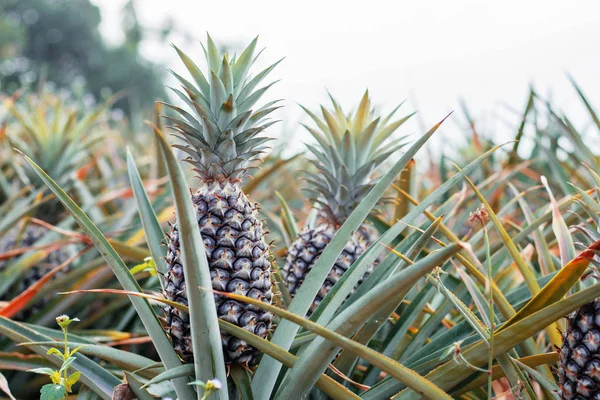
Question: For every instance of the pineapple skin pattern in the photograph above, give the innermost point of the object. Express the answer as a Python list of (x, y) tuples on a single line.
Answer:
[(308, 247), (222, 135), (30, 235), (579, 356), (239, 258)]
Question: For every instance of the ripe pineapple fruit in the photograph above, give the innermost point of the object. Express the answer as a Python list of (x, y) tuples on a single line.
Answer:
[(350, 147), (58, 136), (222, 138), (579, 361)]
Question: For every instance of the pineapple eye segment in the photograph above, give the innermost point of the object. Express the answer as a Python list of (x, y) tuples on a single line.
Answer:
[(246, 248)]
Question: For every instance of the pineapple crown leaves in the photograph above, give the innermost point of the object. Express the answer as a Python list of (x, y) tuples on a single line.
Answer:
[(221, 132), (58, 135), (349, 148)]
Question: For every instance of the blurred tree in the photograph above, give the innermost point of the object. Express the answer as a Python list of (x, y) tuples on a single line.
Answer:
[(60, 40), (132, 27)]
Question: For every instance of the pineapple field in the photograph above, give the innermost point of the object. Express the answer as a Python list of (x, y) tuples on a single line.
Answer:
[(184, 253)]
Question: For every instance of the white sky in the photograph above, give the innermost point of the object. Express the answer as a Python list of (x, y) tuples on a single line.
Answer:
[(430, 52)]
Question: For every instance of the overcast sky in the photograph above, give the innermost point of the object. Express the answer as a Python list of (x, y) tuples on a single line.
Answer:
[(430, 52)]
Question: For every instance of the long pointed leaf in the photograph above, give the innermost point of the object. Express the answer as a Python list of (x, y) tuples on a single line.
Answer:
[(152, 230), (206, 339), (451, 374), (558, 286), (395, 369), (320, 352), (92, 375), (127, 281), (268, 369)]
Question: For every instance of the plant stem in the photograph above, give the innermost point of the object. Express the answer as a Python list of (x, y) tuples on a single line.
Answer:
[(66, 353)]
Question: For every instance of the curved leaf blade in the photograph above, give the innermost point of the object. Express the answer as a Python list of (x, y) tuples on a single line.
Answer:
[(451, 374), (93, 375), (206, 339), (268, 369), (320, 352), (127, 281), (152, 229), (558, 286)]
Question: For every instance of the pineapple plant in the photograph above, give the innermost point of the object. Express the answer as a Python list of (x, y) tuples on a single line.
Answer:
[(54, 132), (221, 137), (349, 149)]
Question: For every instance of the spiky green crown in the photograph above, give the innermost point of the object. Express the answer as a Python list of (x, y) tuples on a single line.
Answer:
[(55, 133), (350, 147), (222, 134)]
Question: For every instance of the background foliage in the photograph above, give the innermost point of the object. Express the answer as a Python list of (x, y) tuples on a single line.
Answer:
[(60, 41)]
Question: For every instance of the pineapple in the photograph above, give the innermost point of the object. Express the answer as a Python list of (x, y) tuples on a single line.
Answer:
[(17, 237), (349, 150), (57, 136), (579, 361), (222, 136)]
